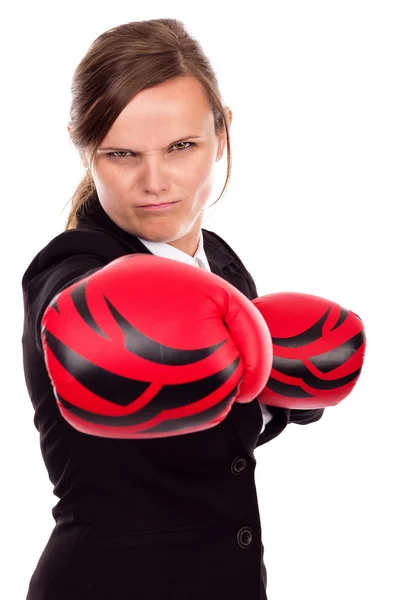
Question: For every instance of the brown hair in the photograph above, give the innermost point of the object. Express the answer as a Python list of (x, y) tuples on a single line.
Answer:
[(119, 64)]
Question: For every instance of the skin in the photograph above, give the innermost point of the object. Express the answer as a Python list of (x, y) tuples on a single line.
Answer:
[(158, 171)]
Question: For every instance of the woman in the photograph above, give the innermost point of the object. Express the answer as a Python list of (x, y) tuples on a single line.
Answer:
[(175, 517)]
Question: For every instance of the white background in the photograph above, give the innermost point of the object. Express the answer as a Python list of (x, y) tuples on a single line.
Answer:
[(312, 206)]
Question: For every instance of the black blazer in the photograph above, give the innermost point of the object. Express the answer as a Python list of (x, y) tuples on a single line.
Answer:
[(152, 519)]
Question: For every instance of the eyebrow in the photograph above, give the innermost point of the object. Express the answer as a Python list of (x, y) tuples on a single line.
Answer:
[(115, 148)]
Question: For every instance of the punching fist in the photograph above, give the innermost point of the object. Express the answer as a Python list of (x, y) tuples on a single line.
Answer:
[(149, 347), (318, 350)]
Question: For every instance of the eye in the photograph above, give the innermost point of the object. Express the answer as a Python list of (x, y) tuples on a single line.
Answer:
[(111, 154), (190, 144)]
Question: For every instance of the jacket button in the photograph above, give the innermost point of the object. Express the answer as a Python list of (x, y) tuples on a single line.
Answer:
[(238, 465), (245, 537)]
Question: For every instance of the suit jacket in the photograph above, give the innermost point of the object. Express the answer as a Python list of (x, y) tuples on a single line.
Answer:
[(173, 517)]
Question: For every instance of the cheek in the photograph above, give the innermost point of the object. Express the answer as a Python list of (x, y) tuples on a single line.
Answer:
[(111, 177), (201, 193), (198, 175)]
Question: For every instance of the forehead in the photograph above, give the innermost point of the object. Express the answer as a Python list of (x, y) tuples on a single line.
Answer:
[(162, 113)]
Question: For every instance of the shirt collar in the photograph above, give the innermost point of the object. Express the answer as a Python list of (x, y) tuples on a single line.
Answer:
[(166, 250)]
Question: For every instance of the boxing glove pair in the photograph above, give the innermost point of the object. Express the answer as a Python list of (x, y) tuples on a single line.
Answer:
[(149, 347)]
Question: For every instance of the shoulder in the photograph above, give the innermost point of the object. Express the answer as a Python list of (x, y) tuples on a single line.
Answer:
[(217, 240), (213, 238), (94, 243), (67, 258)]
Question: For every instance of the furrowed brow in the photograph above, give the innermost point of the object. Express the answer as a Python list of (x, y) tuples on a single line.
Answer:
[(117, 149)]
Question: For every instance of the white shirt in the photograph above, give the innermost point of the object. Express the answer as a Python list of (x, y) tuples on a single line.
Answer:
[(198, 260)]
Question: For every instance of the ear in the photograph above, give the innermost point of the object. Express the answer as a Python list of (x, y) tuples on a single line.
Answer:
[(228, 115), (222, 137)]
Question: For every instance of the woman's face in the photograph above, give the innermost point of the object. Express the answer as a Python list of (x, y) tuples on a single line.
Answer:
[(151, 156)]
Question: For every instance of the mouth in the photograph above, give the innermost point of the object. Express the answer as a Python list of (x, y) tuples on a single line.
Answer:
[(155, 207)]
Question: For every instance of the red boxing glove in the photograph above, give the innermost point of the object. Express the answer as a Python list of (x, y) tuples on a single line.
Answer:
[(318, 350), (149, 347)]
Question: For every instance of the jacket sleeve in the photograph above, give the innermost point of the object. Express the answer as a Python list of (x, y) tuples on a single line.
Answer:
[(306, 416), (70, 256), (281, 417)]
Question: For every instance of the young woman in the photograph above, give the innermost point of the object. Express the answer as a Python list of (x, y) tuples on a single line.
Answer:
[(175, 516)]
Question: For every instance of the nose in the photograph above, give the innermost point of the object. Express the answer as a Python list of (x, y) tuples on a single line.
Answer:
[(154, 174)]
